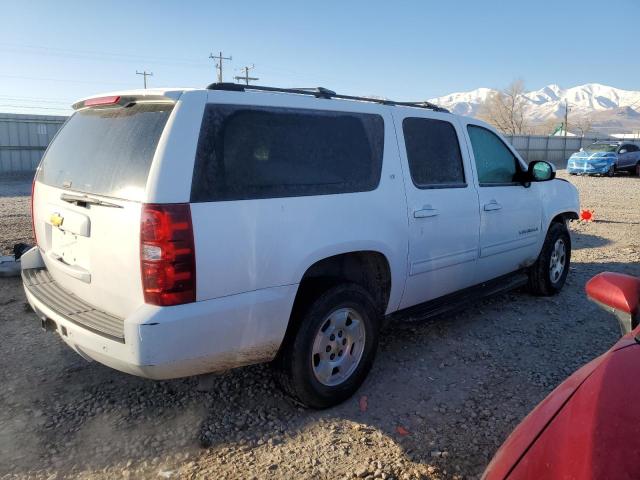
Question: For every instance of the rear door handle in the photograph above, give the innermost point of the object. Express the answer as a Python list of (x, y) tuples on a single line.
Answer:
[(492, 205), (425, 212)]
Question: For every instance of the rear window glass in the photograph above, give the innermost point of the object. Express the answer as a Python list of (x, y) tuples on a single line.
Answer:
[(106, 151), (433, 152), (254, 152)]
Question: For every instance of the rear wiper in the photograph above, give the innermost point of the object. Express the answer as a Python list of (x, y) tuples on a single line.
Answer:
[(84, 200)]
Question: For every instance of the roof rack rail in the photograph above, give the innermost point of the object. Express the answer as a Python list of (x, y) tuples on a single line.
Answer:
[(321, 92)]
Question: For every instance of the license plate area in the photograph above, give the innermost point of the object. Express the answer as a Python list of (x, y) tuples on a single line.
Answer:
[(70, 248)]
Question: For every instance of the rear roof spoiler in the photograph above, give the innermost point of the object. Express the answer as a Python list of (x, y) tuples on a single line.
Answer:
[(120, 101)]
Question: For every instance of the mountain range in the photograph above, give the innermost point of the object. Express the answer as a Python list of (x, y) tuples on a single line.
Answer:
[(606, 107)]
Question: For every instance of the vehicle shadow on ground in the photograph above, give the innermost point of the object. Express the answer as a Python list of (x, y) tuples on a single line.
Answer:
[(445, 391), (586, 240), (616, 222)]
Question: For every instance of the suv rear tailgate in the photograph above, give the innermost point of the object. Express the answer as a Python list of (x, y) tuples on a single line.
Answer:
[(88, 199), (91, 251)]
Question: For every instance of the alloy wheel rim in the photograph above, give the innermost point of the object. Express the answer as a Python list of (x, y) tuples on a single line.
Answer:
[(558, 260), (338, 347)]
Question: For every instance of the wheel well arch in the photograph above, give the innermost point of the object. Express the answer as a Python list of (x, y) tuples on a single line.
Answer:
[(368, 268), (564, 217), (561, 218)]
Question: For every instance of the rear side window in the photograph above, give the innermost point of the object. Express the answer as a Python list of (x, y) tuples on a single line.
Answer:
[(106, 151), (494, 161), (254, 152), (433, 152)]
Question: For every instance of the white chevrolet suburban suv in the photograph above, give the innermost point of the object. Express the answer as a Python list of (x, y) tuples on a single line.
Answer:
[(181, 232)]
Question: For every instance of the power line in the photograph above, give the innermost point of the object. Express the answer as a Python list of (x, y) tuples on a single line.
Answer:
[(35, 106), (220, 59), (100, 56), (631, 106), (65, 80), (145, 74), (246, 76), (33, 99)]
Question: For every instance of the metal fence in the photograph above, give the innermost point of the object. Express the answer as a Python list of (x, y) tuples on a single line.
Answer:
[(24, 138), (555, 150)]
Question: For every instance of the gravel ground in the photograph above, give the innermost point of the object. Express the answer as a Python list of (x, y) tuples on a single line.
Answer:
[(440, 399), (15, 219)]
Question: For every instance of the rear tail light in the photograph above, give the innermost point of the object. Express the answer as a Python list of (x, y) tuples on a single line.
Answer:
[(33, 220), (167, 254)]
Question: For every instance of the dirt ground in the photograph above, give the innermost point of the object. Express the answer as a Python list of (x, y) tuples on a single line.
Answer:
[(441, 398)]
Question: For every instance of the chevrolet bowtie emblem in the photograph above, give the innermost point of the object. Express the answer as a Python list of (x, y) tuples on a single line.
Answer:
[(56, 219)]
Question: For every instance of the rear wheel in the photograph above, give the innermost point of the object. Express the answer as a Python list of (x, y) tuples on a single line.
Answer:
[(333, 348), (548, 275), (637, 170)]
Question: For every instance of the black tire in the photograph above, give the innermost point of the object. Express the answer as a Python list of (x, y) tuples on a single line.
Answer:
[(294, 368), (636, 170), (540, 275), (612, 171)]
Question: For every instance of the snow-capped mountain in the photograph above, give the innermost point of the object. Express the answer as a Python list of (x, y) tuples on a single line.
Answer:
[(591, 99), (464, 103)]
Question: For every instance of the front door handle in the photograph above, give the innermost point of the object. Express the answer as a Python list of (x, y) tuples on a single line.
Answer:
[(425, 212), (492, 205)]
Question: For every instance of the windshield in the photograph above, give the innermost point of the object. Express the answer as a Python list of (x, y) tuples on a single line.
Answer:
[(106, 151), (601, 147)]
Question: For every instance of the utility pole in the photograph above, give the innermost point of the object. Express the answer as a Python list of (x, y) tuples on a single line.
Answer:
[(566, 121), (219, 58), (145, 74), (246, 76), (566, 116)]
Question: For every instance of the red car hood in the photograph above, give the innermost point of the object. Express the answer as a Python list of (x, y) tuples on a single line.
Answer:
[(588, 427)]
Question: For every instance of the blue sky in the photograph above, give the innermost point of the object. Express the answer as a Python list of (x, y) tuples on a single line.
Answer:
[(53, 52)]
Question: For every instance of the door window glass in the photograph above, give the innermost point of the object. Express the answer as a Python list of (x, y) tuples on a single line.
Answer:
[(494, 161), (433, 152)]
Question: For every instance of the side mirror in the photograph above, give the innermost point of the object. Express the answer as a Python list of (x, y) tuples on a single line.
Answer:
[(540, 171), (582, 149), (617, 293), (622, 150)]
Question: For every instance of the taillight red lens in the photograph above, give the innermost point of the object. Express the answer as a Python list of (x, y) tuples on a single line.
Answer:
[(33, 220), (167, 254)]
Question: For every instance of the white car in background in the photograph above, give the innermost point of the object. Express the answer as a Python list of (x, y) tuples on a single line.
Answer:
[(181, 232)]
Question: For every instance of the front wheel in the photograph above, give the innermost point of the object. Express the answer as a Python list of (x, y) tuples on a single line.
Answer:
[(548, 275), (612, 171), (331, 352)]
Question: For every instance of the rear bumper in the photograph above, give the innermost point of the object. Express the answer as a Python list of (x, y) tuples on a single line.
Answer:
[(184, 340)]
